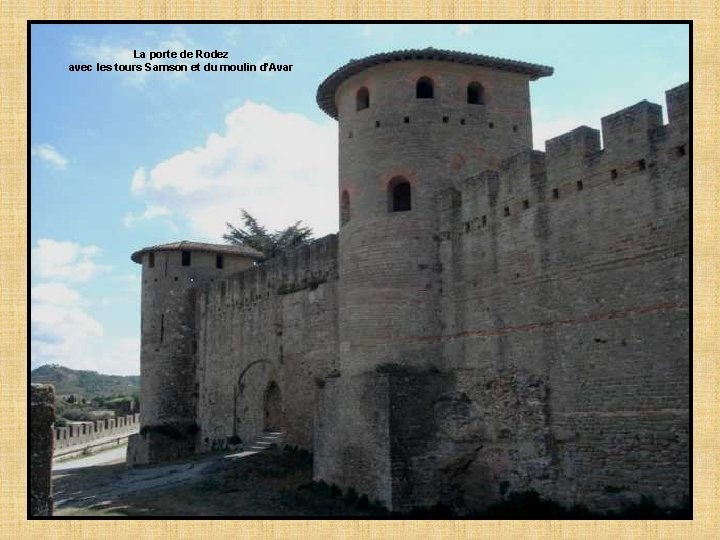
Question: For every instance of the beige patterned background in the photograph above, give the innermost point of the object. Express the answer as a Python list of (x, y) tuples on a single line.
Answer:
[(14, 250)]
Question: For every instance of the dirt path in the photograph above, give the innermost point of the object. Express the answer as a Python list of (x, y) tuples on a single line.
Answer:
[(268, 483)]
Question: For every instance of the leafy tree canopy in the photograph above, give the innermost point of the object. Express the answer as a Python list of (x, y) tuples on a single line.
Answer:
[(254, 235)]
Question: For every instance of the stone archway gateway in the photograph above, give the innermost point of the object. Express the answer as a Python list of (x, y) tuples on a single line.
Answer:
[(273, 408)]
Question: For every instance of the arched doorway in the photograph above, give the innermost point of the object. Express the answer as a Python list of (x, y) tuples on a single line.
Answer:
[(273, 408)]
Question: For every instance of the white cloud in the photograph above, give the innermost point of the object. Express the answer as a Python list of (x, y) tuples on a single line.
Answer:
[(139, 179), (281, 167), (49, 154), (62, 332), (463, 29), (151, 212), (55, 294), (65, 260), (367, 30)]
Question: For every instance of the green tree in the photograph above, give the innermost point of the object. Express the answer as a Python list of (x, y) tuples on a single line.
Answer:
[(254, 235)]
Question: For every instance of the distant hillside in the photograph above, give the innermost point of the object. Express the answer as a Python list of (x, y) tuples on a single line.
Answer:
[(84, 383)]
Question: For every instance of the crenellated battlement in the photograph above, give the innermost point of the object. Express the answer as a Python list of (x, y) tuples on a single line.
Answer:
[(302, 268), (636, 144)]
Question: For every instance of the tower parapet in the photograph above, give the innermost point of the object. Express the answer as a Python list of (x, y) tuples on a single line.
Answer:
[(170, 275)]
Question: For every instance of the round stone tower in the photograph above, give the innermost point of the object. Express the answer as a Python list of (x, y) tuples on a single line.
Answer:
[(412, 125), (170, 275)]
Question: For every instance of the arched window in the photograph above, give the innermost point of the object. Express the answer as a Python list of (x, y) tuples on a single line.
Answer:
[(344, 208), (362, 99), (399, 195), (476, 93), (424, 88)]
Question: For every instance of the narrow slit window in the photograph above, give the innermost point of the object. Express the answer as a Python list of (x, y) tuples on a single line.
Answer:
[(362, 99), (186, 258), (424, 88), (680, 150), (613, 174), (507, 211), (641, 164), (151, 259), (400, 195), (475, 94), (406, 119), (445, 119), (579, 185), (219, 260), (555, 194), (162, 327), (484, 221), (344, 208), (526, 204)]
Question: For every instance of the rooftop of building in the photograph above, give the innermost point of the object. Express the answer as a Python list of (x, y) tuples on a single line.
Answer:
[(186, 245), (326, 91)]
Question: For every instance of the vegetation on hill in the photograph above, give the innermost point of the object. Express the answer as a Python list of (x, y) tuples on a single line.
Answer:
[(85, 384)]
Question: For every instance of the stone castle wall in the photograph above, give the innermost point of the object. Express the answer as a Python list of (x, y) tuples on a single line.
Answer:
[(80, 433), (522, 328), (274, 323), (42, 417), (565, 324)]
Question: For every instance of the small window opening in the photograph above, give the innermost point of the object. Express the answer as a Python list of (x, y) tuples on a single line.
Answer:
[(362, 99), (507, 211), (424, 88), (162, 327), (462, 121), (151, 259), (680, 150), (377, 123), (194, 350), (526, 204), (475, 93), (406, 119), (219, 260), (186, 258), (400, 195), (344, 208), (491, 125), (445, 119), (484, 221), (515, 129), (350, 134), (641, 164), (555, 193), (579, 185), (613, 174)]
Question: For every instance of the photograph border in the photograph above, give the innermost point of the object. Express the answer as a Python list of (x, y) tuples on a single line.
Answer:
[(14, 257)]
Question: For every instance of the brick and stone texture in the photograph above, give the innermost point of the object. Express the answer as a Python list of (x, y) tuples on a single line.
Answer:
[(525, 325), (168, 365), (267, 337), (42, 418)]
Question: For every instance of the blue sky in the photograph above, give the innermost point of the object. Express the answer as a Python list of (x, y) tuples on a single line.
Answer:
[(125, 160)]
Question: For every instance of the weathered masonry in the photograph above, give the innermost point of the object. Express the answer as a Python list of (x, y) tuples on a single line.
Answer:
[(488, 319), (42, 417)]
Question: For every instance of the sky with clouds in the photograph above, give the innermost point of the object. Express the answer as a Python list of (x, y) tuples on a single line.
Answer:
[(124, 160)]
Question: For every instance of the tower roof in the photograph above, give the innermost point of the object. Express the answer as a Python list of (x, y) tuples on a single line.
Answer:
[(199, 246), (326, 91)]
